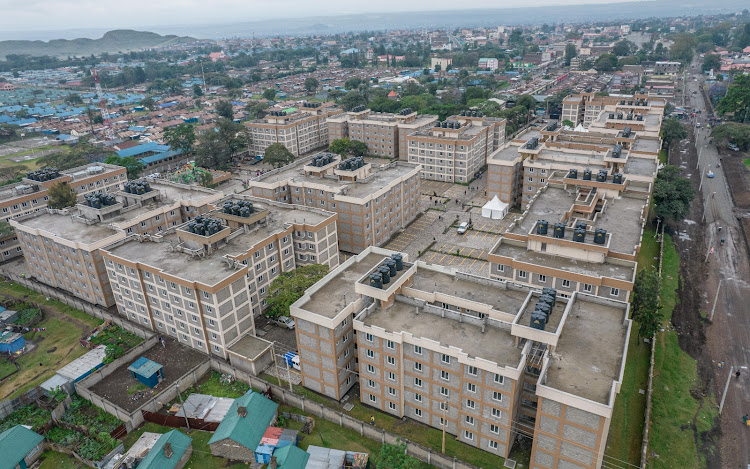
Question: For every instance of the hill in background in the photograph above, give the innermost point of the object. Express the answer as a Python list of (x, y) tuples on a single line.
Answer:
[(122, 40)]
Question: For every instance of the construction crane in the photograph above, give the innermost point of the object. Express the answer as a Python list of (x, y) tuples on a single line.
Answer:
[(108, 132)]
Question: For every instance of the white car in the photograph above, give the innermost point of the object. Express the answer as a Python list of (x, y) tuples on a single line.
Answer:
[(283, 321), (463, 227)]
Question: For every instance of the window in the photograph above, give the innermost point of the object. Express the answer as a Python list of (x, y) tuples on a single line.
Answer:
[(472, 370), (566, 283), (389, 344), (418, 382), (391, 360), (469, 420), (522, 274), (392, 406), (417, 366), (497, 396), (542, 278), (471, 387), (494, 428), (446, 359), (614, 292), (371, 383), (372, 398), (587, 288), (370, 354), (499, 379), (418, 412), (443, 406), (370, 369), (417, 397), (418, 350), (444, 391), (391, 391), (368, 337), (391, 376), (497, 413), (445, 375), (492, 444)]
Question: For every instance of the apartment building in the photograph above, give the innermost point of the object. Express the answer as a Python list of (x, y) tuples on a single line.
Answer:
[(585, 108), (62, 248), (204, 281), (385, 134), (456, 149), (468, 354), (30, 195), (299, 130), (373, 200)]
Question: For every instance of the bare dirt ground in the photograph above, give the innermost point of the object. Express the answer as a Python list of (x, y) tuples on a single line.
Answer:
[(176, 360)]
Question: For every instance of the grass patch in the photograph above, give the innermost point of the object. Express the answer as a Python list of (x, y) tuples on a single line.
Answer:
[(136, 387), (663, 156), (55, 460), (6, 368), (330, 435), (648, 255), (214, 387), (407, 428), (746, 162), (675, 413), (201, 457), (55, 347)]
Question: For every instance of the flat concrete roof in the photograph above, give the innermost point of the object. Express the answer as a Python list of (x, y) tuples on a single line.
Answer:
[(213, 268), (640, 166), (588, 355), (378, 179), (64, 227), (250, 346), (494, 344), (646, 144), (507, 301), (555, 316), (328, 301), (565, 264), (549, 205), (508, 153)]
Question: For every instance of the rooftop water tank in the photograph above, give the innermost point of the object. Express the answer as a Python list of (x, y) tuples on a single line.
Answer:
[(600, 236), (573, 174), (391, 264), (617, 178), (581, 225), (538, 320), (542, 227), (548, 299), (386, 273), (546, 308), (602, 176), (399, 261), (559, 231), (579, 236), (586, 174), (376, 280)]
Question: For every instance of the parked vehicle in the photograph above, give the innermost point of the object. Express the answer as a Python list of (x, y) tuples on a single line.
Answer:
[(292, 359), (710, 173), (733, 147), (463, 227), (283, 321)]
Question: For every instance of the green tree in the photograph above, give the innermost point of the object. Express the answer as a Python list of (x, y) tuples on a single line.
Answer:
[(61, 195), (526, 101), (645, 303), (682, 48), (311, 84), (218, 148), (277, 155), (570, 53), (711, 61), (395, 457), (473, 92), (224, 109), (672, 130), (737, 99), (340, 146), (606, 63), (74, 99), (148, 103), (357, 148), (180, 137), (197, 91), (352, 83), (290, 286), (673, 194), (205, 178), (569, 123), (269, 94), (351, 100), (623, 48), (732, 132), (133, 166), (254, 108)]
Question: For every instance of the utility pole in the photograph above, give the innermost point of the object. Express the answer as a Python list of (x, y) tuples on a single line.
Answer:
[(182, 405), (289, 375), (445, 421), (275, 367), (716, 299)]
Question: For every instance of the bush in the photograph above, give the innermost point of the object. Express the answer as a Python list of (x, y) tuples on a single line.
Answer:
[(27, 415), (117, 341)]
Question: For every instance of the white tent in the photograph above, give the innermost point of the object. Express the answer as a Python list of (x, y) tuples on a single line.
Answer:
[(495, 209)]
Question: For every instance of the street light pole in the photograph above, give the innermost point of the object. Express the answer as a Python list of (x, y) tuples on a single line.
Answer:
[(445, 421)]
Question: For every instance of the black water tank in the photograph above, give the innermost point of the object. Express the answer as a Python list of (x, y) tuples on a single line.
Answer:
[(541, 227), (399, 261), (617, 178), (579, 236), (602, 176), (586, 174), (376, 280), (559, 231), (581, 225), (546, 308), (549, 291), (548, 299), (538, 320), (573, 174), (386, 273), (391, 264), (600, 236)]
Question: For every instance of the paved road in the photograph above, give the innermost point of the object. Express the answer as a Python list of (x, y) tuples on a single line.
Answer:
[(728, 337)]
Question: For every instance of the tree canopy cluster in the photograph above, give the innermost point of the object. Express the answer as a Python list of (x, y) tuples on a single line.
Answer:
[(290, 286)]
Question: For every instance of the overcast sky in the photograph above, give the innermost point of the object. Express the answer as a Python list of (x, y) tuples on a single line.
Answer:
[(20, 15)]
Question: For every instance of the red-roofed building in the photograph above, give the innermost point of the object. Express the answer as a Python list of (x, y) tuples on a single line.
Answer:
[(393, 95)]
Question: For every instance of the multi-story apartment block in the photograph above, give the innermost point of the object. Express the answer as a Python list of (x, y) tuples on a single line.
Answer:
[(204, 281), (385, 134), (62, 247), (456, 149), (30, 195), (299, 130), (585, 108), (373, 201), (484, 359)]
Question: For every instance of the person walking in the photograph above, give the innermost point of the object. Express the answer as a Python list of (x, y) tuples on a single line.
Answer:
[(372, 420), (163, 342), (737, 375)]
